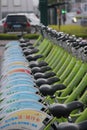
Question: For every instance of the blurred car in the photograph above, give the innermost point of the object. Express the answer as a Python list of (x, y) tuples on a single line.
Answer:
[(33, 20), (15, 23), (1, 24)]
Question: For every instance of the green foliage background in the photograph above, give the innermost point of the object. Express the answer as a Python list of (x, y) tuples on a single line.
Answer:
[(79, 31)]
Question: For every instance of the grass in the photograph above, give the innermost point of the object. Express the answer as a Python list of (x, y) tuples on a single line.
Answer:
[(79, 31)]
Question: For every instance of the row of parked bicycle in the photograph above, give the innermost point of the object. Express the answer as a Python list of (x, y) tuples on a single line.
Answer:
[(72, 44), (43, 86)]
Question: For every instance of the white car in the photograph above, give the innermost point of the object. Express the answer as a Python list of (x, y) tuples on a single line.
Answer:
[(33, 18), (34, 21)]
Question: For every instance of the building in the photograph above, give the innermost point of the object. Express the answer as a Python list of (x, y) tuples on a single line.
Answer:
[(79, 5), (11, 6)]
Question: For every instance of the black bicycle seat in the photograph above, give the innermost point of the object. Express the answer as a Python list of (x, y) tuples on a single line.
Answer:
[(24, 44), (23, 40), (33, 57), (63, 110), (44, 75), (49, 81), (85, 48), (29, 47), (30, 51), (85, 52), (75, 44), (37, 64), (71, 126), (40, 69), (50, 89), (82, 44)]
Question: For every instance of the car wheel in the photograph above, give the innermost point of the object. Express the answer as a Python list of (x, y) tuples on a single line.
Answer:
[(28, 30)]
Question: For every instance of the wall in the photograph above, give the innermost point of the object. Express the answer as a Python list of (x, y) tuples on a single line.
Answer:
[(16, 6)]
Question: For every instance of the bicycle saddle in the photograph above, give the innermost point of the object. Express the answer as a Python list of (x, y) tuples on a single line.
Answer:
[(82, 43), (29, 47), (37, 64), (49, 81), (66, 37), (30, 51), (24, 44), (50, 89), (40, 69), (44, 75), (33, 57), (72, 126), (61, 37), (85, 50), (58, 110), (22, 40), (75, 44)]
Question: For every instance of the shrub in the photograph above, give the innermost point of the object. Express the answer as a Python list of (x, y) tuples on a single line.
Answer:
[(31, 36), (15, 37), (77, 30)]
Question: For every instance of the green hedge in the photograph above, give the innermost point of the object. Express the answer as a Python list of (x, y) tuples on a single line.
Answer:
[(31, 36), (15, 37), (77, 30)]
